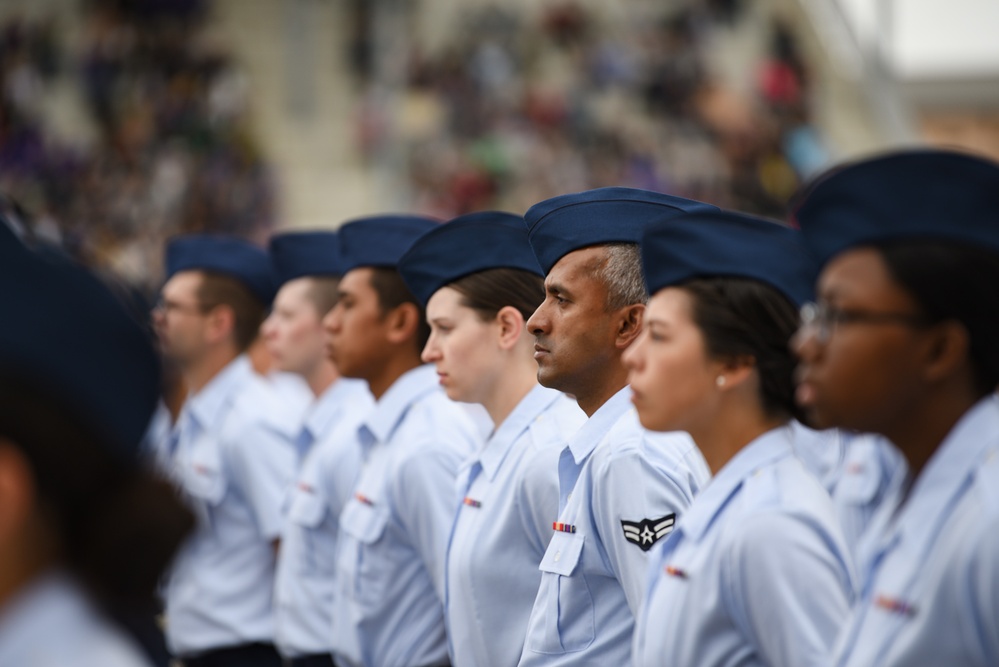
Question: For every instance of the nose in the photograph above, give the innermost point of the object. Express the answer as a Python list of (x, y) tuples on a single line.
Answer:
[(267, 328), (537, 324), (431, 351), (804, 344), (331, 321)]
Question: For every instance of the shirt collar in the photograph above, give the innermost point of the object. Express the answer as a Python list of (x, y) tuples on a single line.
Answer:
[(392, 406), (530, 408), (324, 411), (206, 405), (764, 450), (950, 467), (583, 442)]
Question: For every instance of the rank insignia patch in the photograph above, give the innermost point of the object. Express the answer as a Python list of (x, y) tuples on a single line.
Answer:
[(647, 532)]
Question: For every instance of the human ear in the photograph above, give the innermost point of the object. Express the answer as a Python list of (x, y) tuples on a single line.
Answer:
[(948, 348), (403, 322), (511, 326), (629, 325)]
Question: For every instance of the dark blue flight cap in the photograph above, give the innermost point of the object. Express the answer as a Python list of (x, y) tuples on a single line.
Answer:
[(379, 241), (559, 225), (729, 245), (69, 337), (468, 244), (299, 254), (931, 195), (227, 255)]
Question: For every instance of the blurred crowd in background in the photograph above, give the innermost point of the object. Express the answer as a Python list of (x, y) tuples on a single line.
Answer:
[(511, 111), (173, 151)]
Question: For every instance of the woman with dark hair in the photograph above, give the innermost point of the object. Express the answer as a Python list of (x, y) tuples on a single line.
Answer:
[(757, 572), (904, 342), (85, 530), (480, 282)]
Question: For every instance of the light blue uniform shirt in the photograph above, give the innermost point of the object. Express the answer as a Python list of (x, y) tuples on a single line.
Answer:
[(931, 593), (394, 529), (756, 573), (620, 490), (508, 495), (874, 478), (50, 623), (331, 460), (865, 475), (823, 453), (234, 462)]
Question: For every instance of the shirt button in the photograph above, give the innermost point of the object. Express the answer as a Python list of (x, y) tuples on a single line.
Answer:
[(558, 554)]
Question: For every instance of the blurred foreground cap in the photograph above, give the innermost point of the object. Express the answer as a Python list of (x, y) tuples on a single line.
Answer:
[(68, 336), (722, 244), (931, 195)]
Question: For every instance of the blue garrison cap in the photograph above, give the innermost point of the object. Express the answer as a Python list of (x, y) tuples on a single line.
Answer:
[(729, 245), (381, 240), (916, 195), (468, 244), (69, 337), (299, 254), (226, 255), (559, 225)]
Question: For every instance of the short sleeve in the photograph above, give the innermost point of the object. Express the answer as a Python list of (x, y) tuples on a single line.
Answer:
[(788, 589), (629, 488)]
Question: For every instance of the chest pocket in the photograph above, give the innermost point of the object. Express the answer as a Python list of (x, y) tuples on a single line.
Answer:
[(315, 542), (566, 616), (362, 566), (204, 478), (858, 485)]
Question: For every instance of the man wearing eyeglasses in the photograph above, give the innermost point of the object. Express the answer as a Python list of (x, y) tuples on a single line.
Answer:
[(229, 453)]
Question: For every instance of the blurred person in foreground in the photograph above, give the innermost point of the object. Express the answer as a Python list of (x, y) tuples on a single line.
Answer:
[(307, 269), (230, 453), (903, 342), (84, 528)]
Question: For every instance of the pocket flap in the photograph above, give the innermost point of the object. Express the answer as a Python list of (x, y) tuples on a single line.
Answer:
[(563, 554), (307, 508), (363, 521)]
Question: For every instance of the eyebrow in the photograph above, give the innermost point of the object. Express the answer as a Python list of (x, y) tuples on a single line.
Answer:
[(555, 288)]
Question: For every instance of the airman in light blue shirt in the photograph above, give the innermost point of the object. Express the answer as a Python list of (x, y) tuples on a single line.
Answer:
[(331, 459), (232, 454), (234, 468), (930, 592), (307, 266), (903, 342), (480, 282), (394, 528), (757, 572), (748, 576), (620, 489)]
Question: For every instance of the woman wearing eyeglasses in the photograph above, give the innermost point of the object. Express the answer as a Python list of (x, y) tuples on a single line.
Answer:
[(757, 572), (480, 281), (905, 343)]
